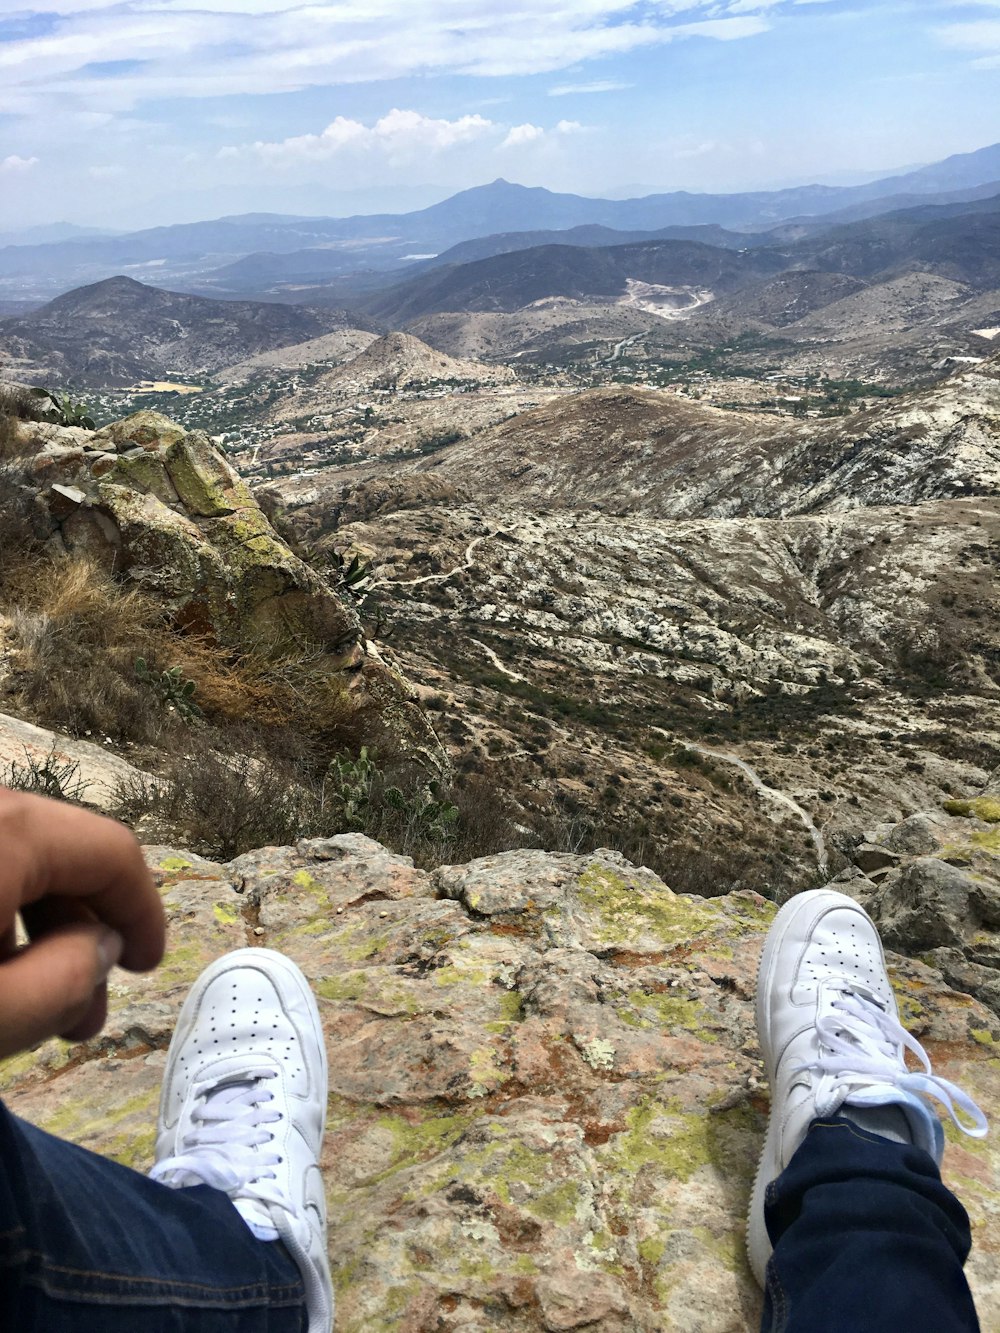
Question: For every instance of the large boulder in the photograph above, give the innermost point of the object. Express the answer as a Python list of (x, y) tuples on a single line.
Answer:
[(61, 766), (945, 908), (546, 1099), (928, 904), (162, 507)]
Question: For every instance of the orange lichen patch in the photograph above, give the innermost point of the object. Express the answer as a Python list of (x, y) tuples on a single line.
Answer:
[(625, 958), (517, 929)]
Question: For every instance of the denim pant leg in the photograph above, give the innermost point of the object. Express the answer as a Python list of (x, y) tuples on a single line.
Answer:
[(88, 1246), (866, 1239)]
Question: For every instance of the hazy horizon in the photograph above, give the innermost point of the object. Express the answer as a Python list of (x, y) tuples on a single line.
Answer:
[(150, 112)]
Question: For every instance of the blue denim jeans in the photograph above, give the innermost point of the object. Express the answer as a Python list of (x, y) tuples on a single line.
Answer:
[(88, 1246), (866, 1240)]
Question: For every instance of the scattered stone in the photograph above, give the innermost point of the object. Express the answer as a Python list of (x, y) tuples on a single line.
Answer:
[(869, 857), (920, 835)]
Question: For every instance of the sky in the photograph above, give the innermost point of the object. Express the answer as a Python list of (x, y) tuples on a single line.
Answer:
[(148, 112)]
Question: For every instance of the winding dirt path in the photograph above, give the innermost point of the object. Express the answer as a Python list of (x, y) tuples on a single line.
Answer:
[(496, 661), (437, 578), (769, 793)]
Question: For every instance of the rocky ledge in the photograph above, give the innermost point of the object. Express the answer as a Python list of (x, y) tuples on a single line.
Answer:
[(164, 510), (546, 1093)]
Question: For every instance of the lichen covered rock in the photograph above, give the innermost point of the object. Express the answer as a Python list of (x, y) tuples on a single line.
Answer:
[(546, 1096), (163, 508), (945, 908)]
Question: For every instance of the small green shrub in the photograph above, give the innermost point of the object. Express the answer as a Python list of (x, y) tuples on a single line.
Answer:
[(172, 687), (60, 409), (980, 807)]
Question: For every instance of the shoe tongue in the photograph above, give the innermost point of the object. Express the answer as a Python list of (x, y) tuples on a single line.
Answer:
[(924, 1126), (230, 1071)]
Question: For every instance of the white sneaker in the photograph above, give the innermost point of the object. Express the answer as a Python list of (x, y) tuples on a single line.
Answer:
[(830, 1036), (243, 1107)]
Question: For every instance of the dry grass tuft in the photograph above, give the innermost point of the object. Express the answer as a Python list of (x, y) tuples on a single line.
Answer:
[(21, 402), (78, 637)]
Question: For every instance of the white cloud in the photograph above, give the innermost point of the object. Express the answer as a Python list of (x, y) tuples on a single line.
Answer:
[(17, 164), (750, 6), (598, 86), (106, 56), (725, 30), (522, 134), (980, 36), (697, 149), (397, 133)]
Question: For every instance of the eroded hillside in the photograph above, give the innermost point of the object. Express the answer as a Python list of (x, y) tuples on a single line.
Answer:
[(595, 589)]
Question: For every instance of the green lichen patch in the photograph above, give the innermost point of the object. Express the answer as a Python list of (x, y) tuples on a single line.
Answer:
[(598, 1052), (171, 863), (88, 1125), (184, 962), (485, 1072), (671, 1013), (225, 914), (629, 910), (349, 986), (48, 1059), (419, 1139), (515, 1172), (309, 885), (511, 1011), (986, 808), (660, 1136), (462, 968), (562, 1204), (355, 941), (373, 987), (987, 841)]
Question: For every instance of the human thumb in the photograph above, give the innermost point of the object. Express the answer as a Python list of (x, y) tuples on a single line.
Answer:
[(56, 986)]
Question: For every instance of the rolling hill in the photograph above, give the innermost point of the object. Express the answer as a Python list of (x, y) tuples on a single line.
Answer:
[(119, 331)]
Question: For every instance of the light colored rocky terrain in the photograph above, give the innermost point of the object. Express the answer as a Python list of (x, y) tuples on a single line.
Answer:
[(546, 1094), (543, 330), (91, 773), (635, 451), (892, 330), (333, 347), (593, 586), (397, 361)]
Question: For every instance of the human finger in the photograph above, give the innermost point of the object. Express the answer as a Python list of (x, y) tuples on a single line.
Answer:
[(49, 915), (52, 849), (57, 985)]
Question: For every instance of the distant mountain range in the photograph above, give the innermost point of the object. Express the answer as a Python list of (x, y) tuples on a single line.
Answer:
[(963, 246), (199, 256), (119, 332), (51, 233)]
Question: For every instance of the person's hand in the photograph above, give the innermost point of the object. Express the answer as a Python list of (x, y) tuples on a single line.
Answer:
[(87, 901)]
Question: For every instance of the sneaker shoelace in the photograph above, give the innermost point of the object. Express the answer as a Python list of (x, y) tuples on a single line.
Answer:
[(223, 1146), (862, 1044)]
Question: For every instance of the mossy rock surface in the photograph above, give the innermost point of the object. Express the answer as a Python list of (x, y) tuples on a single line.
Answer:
[(544, 1115)]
